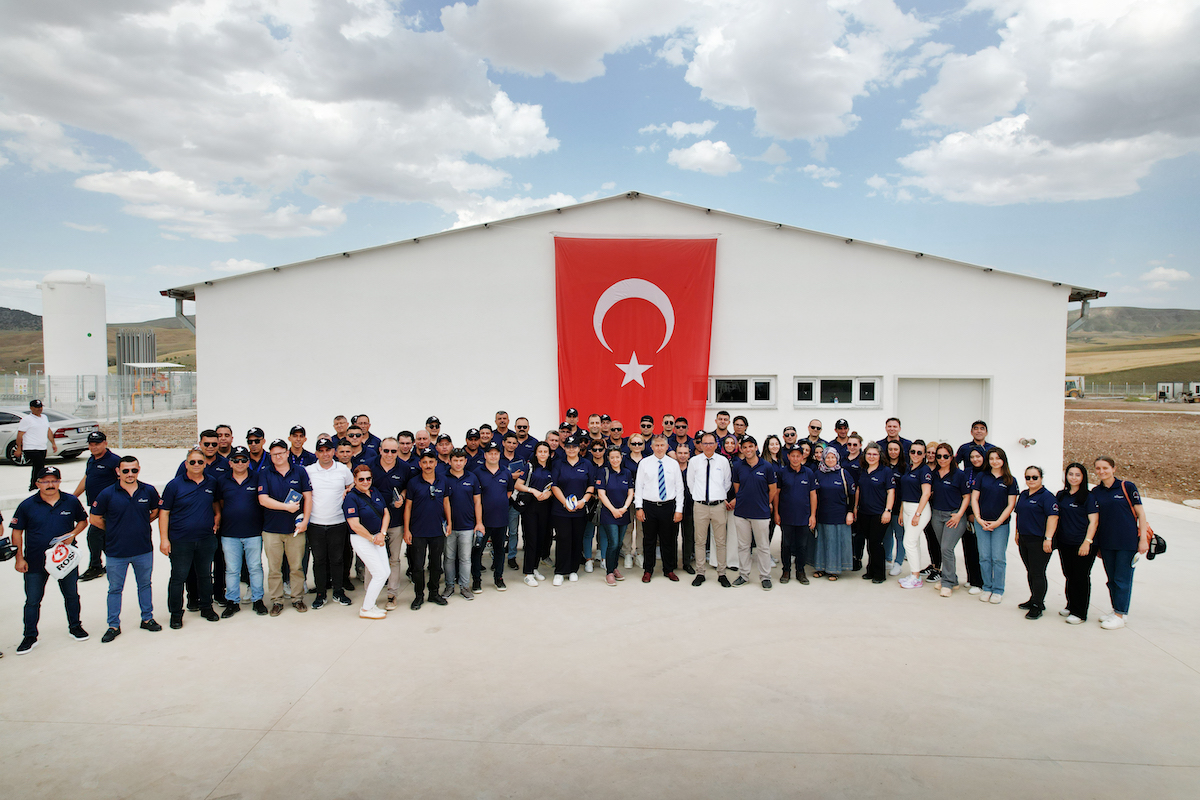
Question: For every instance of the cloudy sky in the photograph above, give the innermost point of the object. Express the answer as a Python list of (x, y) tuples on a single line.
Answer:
[(154, 143)]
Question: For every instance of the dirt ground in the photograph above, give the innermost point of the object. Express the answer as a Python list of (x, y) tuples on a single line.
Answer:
[(176, 432), (1152, 450)]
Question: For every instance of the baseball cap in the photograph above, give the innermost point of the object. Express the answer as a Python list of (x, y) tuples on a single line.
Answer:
[(472, 433), (490, 446), (605, 418), (239, 451), (647, 418), (324, 443), (841, 423), (787, 448), (572, 412), (97, 436), (444, 437), (279, 443), (255, 432), (564, 427), (433, 421), (296, 429), (750, 439), (571, 441), (49, 472), (428, 453), (35, 403)]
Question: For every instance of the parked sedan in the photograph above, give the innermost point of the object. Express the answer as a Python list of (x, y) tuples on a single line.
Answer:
[(70, 433)]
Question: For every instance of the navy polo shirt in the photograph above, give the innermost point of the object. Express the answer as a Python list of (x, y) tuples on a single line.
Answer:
[(277, 487), (514, 466), (948, 491), (1072, 518), (1118, 527), (538, 477), (873, 488), (835, 497), (963, 456), (618, 486), (389, 482), (904, 445), (413, 465), (571, 479), (795, 498), (474, 462), (363, 456), (753, 489), (218, 467), (241, 513), (427, 509), (368, 509), (442, 469), (1033, 511), (675, 444), (127, 519), (993, 494), (525, 449), (463, 491), (41, 523), (191, 507), (843, 449), (100, 474), (372, 441), (303, 460), (494, 490), (264, 461), (912, 481)]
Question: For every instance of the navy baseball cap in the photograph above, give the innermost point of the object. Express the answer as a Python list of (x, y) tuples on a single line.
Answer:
[(48, 472), (258, 432), (296, 429), (239, 452), (95, 437), (324, 443)]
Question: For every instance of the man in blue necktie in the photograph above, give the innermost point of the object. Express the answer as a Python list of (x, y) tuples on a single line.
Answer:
[(658, 497)]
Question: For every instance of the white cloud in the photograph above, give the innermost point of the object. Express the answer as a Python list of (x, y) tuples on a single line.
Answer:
[(18, 284), (713, 158), (485, 209), (1078, 101), (826, 175), (258, 117), (774, 155), (678, 130), (608, 186), (237, 265), (1159, 274), (87, 228)]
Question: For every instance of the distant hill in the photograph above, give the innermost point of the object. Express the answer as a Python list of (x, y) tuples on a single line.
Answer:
[(21, 339), (1136, 322), (12, 319)]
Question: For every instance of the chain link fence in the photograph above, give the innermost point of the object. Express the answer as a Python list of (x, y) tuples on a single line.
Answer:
[(104, 398)]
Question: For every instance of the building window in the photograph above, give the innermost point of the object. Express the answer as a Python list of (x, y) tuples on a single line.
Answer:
[(741, 391), (839, 391)]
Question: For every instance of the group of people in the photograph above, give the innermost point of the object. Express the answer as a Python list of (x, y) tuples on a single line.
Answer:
[(417, 505)]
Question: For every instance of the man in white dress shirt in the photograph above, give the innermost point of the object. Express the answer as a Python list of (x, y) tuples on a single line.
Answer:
[(327, 529), (709, 479), (658, 497)]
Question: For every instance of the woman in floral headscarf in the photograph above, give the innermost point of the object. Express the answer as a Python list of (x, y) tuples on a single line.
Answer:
[(837, 503)]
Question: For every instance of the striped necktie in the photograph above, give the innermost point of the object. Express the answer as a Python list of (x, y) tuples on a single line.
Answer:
[(662, 482)]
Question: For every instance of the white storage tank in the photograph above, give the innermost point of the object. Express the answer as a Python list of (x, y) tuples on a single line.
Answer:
[(74, 333)]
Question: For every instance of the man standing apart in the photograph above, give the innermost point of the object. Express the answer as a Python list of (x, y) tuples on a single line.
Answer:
[(327, 530), (241, 532), (36, 524), (123, 513), (33, 437), (99, 474), (754, 496), (187, 531), (709, 478), (658, 497), (284, 533), (426, 512)]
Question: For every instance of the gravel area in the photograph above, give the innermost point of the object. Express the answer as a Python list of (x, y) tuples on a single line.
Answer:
[(173, 432), (1154, 450)]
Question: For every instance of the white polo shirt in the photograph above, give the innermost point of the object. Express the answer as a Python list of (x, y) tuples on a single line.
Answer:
[(328, 490), (36, 430)]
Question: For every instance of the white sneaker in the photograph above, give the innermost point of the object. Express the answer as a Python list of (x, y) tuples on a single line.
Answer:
[(558, 580), (895, 570), (985, 597), (1065, 612), (1113, 622), (774, 561), (1109, 615), (975, 590), (539, 576), (530, 580), (996, 599), (628, 562), (574, 576), (372, 613), (587, 566), (1073, 620), (640, 561)]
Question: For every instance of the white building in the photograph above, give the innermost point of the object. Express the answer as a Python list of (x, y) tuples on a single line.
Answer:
[(856, 330)]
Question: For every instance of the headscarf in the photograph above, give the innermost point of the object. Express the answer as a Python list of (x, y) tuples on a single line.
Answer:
[(837, 456)]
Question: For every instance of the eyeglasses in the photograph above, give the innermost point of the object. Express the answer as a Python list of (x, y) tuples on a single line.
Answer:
[(133, 471), (943, 456), (194, 463), (238, 460), (388, 450)]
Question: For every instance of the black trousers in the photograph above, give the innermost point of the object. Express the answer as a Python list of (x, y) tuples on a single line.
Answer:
[(970, 543), (687, 547), (421, 548), (328, 543), (569, 533), (535, 522), (37, 460), (216, 576), (1036, 560), (499, 538), (795, 545), (1077, 571), (184, 557), (935, 547), (95, 540), (873, 528), (546, 542), (659, 530), (858, 541)]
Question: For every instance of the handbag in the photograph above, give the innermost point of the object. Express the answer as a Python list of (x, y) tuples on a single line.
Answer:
[(61, 560), (1158, 545)]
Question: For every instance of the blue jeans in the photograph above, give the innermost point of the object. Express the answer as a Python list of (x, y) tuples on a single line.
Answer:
[(1118, 566), (993, 545), (589, 533), (249, 549), (117, 569), (456, 560), (35, 589), (609, 539), (514, 520), (893, 539)]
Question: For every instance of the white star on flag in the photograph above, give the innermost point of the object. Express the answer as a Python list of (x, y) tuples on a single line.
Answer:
[(633, 370)]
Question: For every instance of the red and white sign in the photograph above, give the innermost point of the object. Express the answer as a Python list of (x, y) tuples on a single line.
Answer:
[(634, 326)]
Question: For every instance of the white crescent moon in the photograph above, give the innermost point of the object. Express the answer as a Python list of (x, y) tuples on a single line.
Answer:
[(625, 290)]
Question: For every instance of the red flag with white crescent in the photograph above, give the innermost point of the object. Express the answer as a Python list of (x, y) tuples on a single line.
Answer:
[(634, 326)]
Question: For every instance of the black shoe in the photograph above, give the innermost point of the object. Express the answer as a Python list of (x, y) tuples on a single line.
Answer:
[(802, 577), (696, 581), (1028, 604), (500, 587), (210, 615), (230, 610), (857, 565), (110, 634), (78, 633), (260, 608), (512, 564), (193, 606), (91, 573), (319, 602), (437, 598), (477, 585), (150, 625), (766, 584), (877, 580), (348, 585), (1033, 613), (416, 604), (785, 577), (688, 569), (740, 581), (27, 644), (866, 576), (341, 598), (724, 581), (176, 621)]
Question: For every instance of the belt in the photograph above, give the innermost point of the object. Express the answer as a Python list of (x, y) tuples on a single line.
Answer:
[(710, 503), (659, 502)]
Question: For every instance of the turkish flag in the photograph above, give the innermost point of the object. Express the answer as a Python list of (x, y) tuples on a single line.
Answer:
[(634, 326)]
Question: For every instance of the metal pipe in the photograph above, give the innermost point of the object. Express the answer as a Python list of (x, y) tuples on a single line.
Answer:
[(179, 315), (1083, 312)]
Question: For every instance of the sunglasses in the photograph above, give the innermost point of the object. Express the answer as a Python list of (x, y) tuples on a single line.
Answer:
[(522, 427), (388, 450), (617, 428), (682, 425), (647, 425), (814, 427), (238, 460), (943, 457), (363, 480), (1032, 477), (195, 463), (253, 441), (353, 435), (208, 444), (435, 425), (915, 452), (133, 471)]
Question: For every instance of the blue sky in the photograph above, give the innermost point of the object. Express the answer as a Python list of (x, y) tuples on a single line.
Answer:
[(154, 144)]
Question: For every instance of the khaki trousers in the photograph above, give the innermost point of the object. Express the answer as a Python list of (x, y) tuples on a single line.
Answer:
[(703, 516), (275, 545)]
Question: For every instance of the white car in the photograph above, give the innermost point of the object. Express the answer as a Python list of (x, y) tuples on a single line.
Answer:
[(70, 433)]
